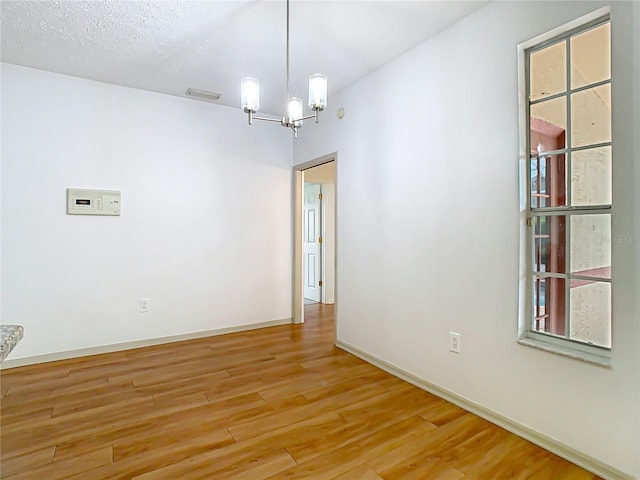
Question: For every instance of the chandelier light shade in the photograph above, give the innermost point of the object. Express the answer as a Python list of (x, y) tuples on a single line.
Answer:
[(317, 91), (250, 97), (250, 94), (295, 110)]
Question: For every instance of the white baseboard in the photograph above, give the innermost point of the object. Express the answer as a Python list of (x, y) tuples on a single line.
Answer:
[(574, 456), (116, 347)]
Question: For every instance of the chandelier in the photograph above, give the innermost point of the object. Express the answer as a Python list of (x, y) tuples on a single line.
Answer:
[(250, 97)]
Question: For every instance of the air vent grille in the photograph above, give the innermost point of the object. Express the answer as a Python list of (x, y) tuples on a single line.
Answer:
[(203, 94)]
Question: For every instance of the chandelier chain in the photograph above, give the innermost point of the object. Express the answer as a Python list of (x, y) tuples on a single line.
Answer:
[(287, 52)]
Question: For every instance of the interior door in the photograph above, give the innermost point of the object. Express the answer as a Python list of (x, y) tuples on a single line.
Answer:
[(311, 241)]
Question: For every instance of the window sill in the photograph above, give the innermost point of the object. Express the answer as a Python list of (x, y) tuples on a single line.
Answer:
[(567, 351)]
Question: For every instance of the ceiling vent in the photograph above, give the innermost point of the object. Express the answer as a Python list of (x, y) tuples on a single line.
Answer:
[(203, 95)]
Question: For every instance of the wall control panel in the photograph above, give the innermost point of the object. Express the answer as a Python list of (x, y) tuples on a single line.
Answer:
[(93, 202)]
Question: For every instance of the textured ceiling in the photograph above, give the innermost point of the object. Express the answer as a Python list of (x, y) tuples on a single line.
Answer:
[(169, 46)]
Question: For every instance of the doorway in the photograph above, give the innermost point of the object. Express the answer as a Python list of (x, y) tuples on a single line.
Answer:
[(312, 241), (314, 234)]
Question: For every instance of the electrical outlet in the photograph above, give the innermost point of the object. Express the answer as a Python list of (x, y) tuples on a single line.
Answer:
[(455, 342), (143, 303)]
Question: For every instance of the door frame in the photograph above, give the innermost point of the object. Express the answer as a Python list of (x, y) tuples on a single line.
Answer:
[(298, 211)]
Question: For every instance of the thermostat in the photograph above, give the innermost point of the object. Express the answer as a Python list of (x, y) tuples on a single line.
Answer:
[(93, 202)]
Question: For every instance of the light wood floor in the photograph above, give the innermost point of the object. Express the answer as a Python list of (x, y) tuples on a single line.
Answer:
[(276, 403)]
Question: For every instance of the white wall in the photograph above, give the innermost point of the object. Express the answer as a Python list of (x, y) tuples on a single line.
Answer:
[(205, 230), (428, 168)]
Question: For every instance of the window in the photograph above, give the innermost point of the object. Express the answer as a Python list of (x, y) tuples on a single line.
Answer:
[(568, 187)]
